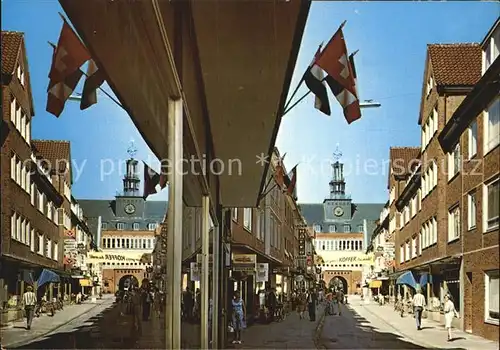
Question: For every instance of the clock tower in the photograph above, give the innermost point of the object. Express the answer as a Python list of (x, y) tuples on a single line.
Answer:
[(338, 206), (130, 202)]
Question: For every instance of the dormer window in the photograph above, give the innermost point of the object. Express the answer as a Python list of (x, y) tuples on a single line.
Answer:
[(491, 50), (20, 75), (430, 85), (317, 228)]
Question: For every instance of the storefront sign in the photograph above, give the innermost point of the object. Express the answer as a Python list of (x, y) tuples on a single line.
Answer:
[(194, 270), (97, 258), (262, 272), (244, 262), (363, 259), (302, 241)]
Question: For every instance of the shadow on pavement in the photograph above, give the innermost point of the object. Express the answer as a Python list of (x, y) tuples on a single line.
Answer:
[(356, 332), (100, 331)]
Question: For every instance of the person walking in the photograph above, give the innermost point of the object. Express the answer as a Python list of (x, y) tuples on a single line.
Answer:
[(146, 299), (339, 296), (449, 313), (418, 307), (239, 316), (312, 299), (301, 303), (188, 301), (29, 302)]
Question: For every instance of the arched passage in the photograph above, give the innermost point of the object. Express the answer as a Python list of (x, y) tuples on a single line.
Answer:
[(339, 282), (127, 281)]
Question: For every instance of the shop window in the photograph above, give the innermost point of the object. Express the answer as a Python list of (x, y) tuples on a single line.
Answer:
[(492, 296)]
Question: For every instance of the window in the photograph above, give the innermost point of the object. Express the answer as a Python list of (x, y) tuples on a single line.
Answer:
[(28, 132), (360, 228), (262, 222), (317, 228), (41, 246), (347, 228), (492, 126), (491, 204), (471, 210), (429, 179), (13, 111), (56, 251), (414, 247), (104, 225), (332, 228), (235, 214), (491, 50), (152, 226), (430, 85), (48, 248), (247, 218), (454, 223), (472, 140), (454, 162), (13, 226), (407, 251), (120, 226), (419, 252), (491, 306), (32, 240), (136, 226)]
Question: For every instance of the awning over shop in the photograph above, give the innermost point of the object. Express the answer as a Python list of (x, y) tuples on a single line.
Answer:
[(408, 279), (424, 279), (375, 284), (47, 276)]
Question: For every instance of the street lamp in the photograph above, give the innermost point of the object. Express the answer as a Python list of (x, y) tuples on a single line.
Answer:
[(369, 104)]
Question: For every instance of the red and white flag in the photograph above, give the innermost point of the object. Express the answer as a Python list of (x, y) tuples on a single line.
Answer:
[(65, 73), (340, 78)]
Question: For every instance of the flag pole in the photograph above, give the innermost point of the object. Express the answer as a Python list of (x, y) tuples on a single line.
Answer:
[(298, 85), (100, 88), (288, 108)]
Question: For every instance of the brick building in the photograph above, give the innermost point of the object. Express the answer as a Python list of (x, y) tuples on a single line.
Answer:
[(448, 240), (265, 235), (341, 257), (35, 186)]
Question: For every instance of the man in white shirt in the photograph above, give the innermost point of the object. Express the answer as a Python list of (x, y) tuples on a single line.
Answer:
[(29, 302), (418, 306)]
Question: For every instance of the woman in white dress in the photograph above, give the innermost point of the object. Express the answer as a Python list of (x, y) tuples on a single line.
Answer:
[(449, 314)]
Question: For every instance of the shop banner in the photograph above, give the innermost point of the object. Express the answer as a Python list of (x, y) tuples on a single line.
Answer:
[(194, 270), (262, 272), (363, 259), (97, 258), (244, 262)]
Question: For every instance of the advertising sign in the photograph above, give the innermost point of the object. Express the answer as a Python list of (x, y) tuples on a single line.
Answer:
[(244, 262), (194, 271), (363, 259), (302, 241), (262, 272), (97, 258)]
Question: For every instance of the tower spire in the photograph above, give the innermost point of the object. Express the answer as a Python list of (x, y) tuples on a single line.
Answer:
[(131, 179), (337, 184)]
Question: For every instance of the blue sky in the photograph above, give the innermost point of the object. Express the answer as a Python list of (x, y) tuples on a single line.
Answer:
[(391, 38)]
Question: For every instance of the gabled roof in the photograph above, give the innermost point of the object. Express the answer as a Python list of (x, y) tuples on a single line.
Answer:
[(455, 64), (55, 152), (12, 46), (402, 160), (452, 65)]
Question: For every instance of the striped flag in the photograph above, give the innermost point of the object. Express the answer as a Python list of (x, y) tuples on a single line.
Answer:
[(340, 75), (313, 77)]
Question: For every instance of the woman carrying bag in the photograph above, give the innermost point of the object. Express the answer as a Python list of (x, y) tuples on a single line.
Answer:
[(239, 316), (449, 313)]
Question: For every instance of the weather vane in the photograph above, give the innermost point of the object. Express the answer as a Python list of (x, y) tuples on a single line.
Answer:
[(132, 150), (337, 154)]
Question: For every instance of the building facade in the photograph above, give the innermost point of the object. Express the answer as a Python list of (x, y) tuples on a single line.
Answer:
[(343, 226), (448, 239), (36, 192), (125, 231)]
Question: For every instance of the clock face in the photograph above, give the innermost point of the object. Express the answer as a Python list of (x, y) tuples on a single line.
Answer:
[(129, 209), (338, 211)]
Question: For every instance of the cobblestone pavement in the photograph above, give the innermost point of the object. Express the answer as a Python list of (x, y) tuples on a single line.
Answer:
[(44, 326), (370, 326), (292, 333)]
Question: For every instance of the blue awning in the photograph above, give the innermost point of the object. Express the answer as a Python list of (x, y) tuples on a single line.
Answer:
[(425, 278), (408, 279), (47, 276)]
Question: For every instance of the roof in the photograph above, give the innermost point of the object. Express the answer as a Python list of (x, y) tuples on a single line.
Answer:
[(11, 46), (154, 211), (314, 214), (455, 64), (402, 161), (54, 152)]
